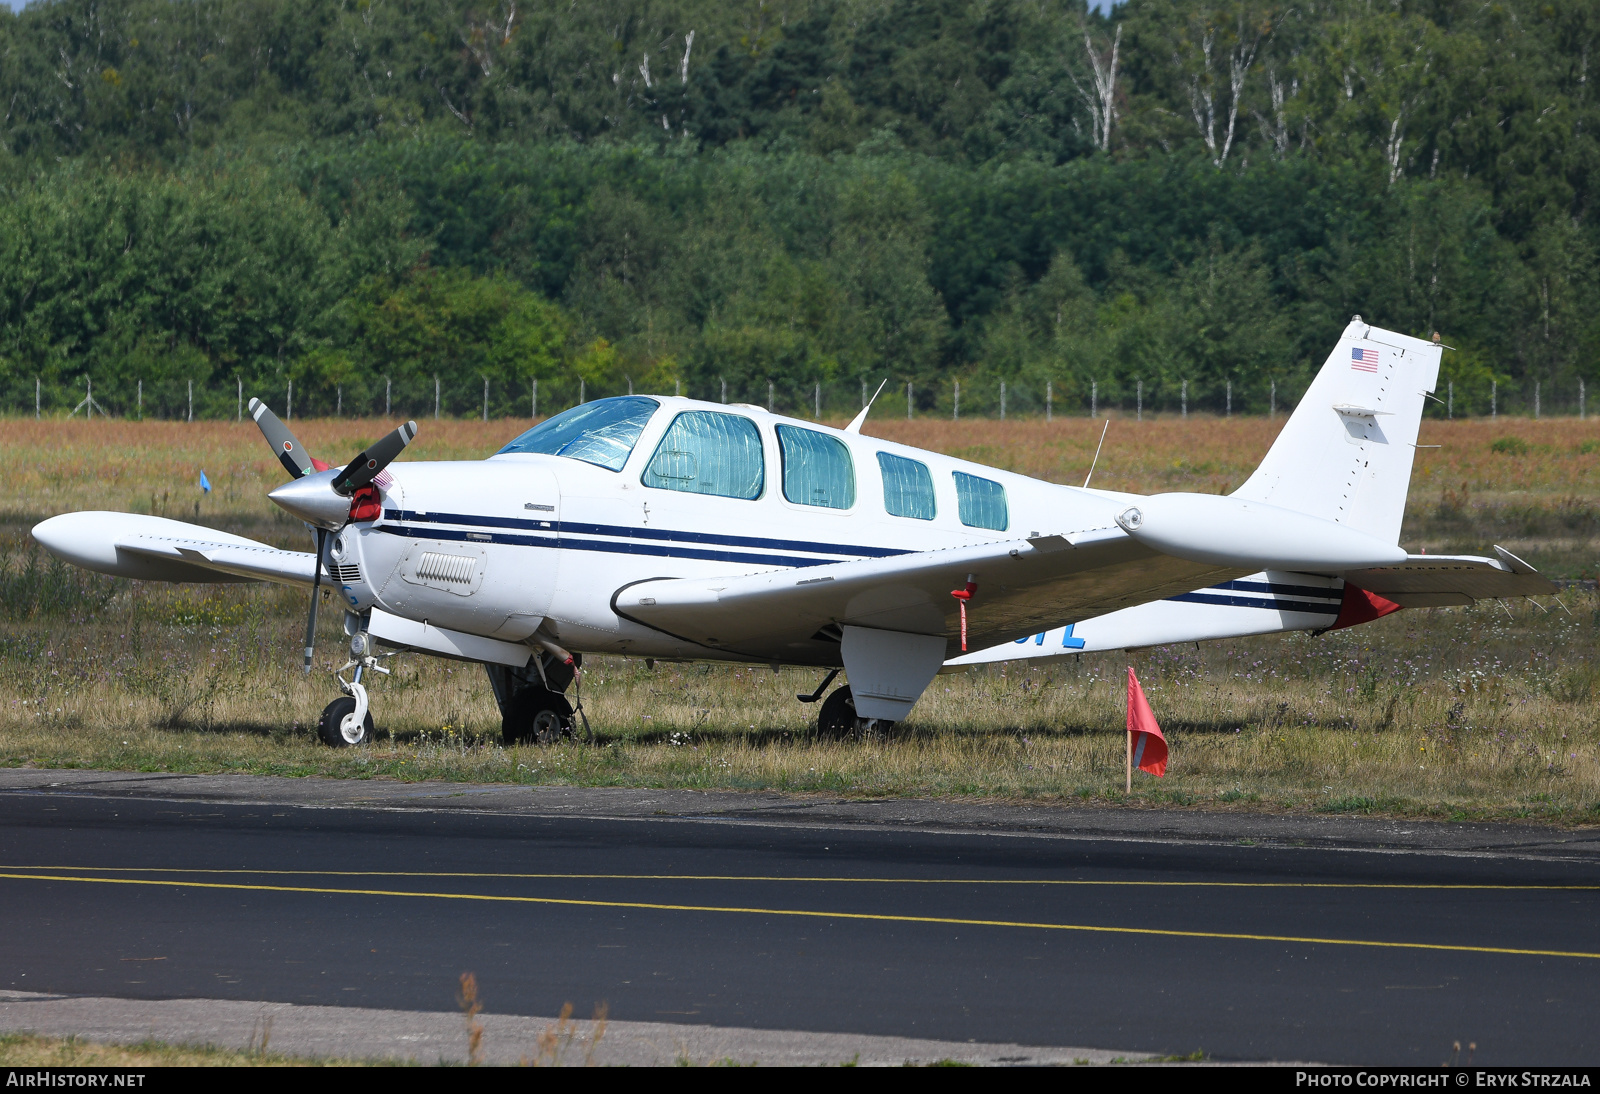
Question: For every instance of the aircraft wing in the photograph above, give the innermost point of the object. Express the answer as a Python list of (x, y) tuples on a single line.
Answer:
[(151, 548), (1435, 581), (1023, 586), (1272, 603), (257, 562)]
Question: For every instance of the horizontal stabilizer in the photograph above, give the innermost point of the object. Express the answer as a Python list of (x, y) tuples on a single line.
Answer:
[(1435, 581)]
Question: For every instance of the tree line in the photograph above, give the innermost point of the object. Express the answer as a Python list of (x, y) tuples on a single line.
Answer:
[(1173, 205)]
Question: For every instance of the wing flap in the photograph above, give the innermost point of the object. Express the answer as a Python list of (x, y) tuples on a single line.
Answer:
[(1024, 585)]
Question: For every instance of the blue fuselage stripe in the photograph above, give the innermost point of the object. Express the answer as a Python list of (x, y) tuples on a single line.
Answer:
[(663, 535), (568, 543), (1257, 602), (668, 543), (1312, 591)]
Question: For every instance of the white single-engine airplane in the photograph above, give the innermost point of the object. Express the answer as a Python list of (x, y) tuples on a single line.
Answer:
[(672, 529)]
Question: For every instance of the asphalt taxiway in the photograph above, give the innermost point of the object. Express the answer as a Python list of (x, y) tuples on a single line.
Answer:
[(1247, 938)]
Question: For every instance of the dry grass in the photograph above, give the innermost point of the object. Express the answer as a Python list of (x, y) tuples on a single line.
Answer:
[(1537, 499), (1458, 712), (25, 1050), (1462, 712)]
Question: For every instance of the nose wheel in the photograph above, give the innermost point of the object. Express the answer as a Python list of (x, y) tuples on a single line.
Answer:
[(342, 726), (348, 720)]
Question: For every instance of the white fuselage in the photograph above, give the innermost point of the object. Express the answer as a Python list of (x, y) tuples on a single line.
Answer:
[(500, 547)]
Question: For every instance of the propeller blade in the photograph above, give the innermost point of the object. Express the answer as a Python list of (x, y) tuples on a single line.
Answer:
[(316, 587), (369, 464), (290, 452)]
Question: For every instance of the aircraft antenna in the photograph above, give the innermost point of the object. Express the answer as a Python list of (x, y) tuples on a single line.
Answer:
[(1096, 459), (860, 419)]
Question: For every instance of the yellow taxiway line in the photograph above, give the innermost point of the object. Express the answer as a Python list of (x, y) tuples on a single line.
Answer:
[(818, 879), (876, 917)]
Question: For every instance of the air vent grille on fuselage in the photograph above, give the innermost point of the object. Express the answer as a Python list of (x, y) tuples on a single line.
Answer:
[(347, 573), (454, 569)]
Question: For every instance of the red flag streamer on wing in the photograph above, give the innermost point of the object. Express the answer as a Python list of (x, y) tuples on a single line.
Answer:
[(962, 596), (1147, 746)]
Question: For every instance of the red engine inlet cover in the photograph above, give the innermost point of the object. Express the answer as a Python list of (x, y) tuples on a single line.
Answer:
[(365, 504)]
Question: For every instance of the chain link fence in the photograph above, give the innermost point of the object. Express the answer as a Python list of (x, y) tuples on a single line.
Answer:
[(953, 398)]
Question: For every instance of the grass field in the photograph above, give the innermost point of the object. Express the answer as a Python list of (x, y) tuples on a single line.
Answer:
[(22, 1050), (1484, 712)]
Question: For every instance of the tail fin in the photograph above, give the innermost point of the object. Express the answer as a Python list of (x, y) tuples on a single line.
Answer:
[(1345, 453)]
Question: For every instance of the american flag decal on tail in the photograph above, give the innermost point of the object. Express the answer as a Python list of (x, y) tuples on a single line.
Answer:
[(1364, 360)]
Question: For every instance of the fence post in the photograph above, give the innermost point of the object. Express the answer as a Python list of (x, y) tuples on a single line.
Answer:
[(1581, 407), (1536, 398), (818, 414), (191, 402), (1094, 398), (1138, 406), (1450, 400), (583, 391), (338, 400), (436, 396), (1002, 400), (288, 404), (770, 389), (486, 398), (724, 390), (909, 404), (533, 407), (955, 412), (677, 388), (386, 389), (36, 398), (863, 395), (1049, 400), (238, 406), (1183, 398), (1228, 410), (1494, 398), (1272, 402)]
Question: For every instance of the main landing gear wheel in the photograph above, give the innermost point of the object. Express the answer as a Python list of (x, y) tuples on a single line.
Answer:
[(837, 720), (338, 726), (538, 715)]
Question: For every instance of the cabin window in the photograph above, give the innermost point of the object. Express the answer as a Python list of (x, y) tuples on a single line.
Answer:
[(981, 502), (816, 468), (602, 432), (907, 487), (708, 452)]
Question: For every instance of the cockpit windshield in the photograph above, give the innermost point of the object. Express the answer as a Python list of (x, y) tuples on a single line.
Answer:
[(602, 432)]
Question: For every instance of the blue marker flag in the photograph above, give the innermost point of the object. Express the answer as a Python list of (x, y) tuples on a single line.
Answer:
[(205, 483)]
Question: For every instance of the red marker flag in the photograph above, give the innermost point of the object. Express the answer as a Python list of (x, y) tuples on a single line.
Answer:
[(1147, 747)]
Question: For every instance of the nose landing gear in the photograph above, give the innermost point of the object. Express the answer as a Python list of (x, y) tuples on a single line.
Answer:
[(348, 720)]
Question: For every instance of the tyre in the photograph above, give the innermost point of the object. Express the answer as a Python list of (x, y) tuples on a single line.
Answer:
[(837, 719), (337, 726), (537, 715)]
